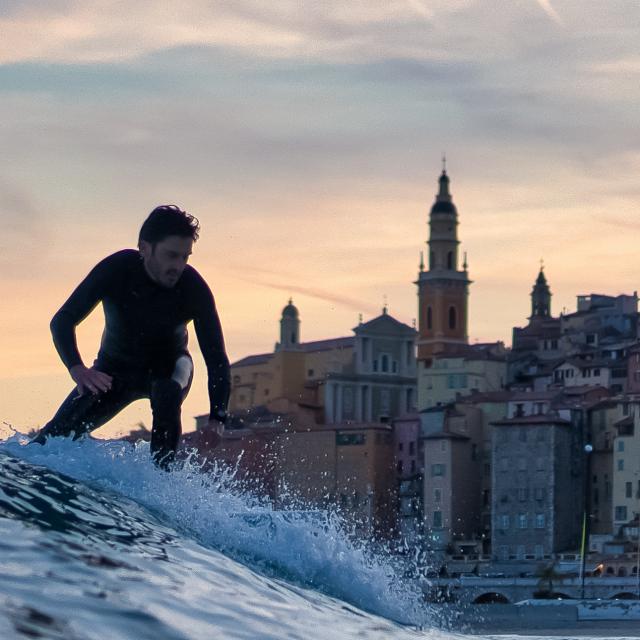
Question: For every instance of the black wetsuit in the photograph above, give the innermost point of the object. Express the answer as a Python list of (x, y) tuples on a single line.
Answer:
[(143, 348)]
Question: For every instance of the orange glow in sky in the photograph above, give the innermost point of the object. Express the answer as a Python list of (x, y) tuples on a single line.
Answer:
[(308, 143)]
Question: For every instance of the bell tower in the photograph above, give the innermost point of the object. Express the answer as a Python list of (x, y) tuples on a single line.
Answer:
[(540, 297), (289, 329), (443, 290)]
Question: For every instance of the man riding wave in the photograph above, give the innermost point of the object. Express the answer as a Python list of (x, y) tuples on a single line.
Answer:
[(148, 297)]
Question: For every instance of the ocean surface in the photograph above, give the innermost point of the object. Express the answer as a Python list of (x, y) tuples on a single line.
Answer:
[(95, 542)]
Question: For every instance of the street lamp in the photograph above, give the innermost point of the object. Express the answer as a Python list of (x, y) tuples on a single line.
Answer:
[(588, 448)]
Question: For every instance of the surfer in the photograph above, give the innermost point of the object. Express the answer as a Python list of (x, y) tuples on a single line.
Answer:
[(148, 297)]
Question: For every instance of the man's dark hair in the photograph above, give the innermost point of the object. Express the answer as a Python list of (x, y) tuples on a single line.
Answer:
[(168, 220)]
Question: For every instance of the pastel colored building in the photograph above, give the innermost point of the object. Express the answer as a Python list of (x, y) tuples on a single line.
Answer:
[(379, 384)]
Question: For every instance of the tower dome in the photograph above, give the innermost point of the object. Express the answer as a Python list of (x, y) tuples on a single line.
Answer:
[(443, 203), (290, 311), (289, 329)]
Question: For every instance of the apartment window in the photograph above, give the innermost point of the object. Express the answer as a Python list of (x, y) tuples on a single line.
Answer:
[(621, 464), (596, 372), (539, 551), (443, 445), (437, 470), (540, 493), (628, 490), (310, 373), (384, 365), (540, 521), (457, 381), (437, 519), (504, 521), (539, 464), (523, 494), (400, 465), (413, 466), (519, 410), (504, 464), (620, 445), (412, 448), (437, 495), (621, 513), (522, 464), (522, 521), (520, 552), (400, 446)]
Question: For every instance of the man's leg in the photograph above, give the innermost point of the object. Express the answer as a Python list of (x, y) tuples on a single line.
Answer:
[(80, 414), (167, 395)]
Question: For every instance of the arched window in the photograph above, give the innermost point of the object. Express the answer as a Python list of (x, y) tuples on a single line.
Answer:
[(429, 318), (452, 318), (450, 260)]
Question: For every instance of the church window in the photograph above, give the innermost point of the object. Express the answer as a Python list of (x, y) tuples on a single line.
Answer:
[(385, 363), (293, 338), (450, 260), (452, 317), (429, 318)]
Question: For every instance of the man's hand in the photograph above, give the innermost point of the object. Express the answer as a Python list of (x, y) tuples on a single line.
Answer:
[(90, 380)]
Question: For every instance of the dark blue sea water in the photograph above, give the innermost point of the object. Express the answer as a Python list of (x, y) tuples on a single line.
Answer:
[(96, 543)]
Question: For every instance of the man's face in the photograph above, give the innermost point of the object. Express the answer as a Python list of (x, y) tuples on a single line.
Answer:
[(165, 260)]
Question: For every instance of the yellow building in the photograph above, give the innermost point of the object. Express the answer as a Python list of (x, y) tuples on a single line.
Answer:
[(626, 467), (291, 376), (479, 368)]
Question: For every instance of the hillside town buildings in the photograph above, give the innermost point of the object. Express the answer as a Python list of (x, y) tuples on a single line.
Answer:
[(506, 454)]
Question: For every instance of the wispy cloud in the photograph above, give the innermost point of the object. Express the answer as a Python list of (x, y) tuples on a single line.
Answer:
[(550, 11), (345, 301)]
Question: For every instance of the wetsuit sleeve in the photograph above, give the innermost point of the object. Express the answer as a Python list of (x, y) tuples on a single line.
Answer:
[(211, 341), (79, 305)]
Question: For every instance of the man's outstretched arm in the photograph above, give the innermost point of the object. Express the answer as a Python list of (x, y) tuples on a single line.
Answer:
[(63, 329), (211, 341)]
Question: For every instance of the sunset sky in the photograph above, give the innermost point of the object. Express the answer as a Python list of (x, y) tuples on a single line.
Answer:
[(307, 137)]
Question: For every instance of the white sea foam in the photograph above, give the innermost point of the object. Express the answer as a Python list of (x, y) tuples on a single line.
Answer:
[(211, 508)]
